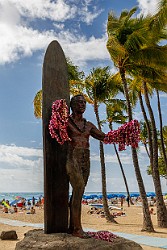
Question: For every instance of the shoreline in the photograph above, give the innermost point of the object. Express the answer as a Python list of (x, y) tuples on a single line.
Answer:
[(131, 223)]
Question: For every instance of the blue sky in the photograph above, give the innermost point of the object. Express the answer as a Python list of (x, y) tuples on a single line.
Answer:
[(26, 28)]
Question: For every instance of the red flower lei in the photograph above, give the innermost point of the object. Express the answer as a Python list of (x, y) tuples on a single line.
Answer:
[(103, 235), (59, 121), (127, 134)]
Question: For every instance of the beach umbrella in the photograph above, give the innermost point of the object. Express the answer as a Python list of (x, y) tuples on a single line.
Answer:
[(110, 196), (100, 196), (29, 199), (91, 196), (121, 195), (149, 194), (15, 201), (134, 195)]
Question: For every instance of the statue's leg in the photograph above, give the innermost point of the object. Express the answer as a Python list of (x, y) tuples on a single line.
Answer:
[(76, 208), (86, 166), (71, 225), (75, 172)]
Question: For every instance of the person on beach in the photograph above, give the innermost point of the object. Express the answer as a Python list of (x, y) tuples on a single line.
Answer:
[(15, 209), (33, 201), (128, 200), (152, 211), (5, 210), (122, 202), (78, 160), (32, 210)]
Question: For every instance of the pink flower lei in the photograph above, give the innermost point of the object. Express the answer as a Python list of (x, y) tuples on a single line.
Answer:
[(103, 235), (127, 134), (59, 121)]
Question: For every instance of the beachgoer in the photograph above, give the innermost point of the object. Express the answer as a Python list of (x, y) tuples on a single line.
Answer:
[(152, 211), (5, 210), (33, 201), (115, 214), (78, 160), (32, 211), (7, 202), (15, 209), (128, 200), (122, 202)]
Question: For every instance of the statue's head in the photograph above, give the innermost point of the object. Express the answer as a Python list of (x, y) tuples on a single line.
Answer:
[(78, 103)]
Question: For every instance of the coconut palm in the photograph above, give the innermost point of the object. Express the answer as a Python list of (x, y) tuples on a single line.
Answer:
[(154, 78), (144, 136), (161, 130), (161, 208), (75, 77), (125, 37), (115, 109), (96, 84), (161, 163)]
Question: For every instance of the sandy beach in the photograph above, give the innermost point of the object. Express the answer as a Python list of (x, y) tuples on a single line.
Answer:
[(130, 223)]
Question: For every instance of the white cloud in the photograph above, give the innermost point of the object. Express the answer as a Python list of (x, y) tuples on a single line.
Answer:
[(21, 168), (138, 115), (87, 49), (9, 13), (59, 26), (112, 158), (148, 6), (20, 39), (43, 9), (21, 151), (163, 95), (86, 15)]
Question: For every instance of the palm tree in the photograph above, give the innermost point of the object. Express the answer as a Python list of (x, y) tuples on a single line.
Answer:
[(161, 163), (144, 135), (161, 208), (75, 77), (161, 130), (125, 37), (96, 84), (115, 113), (153, 80)]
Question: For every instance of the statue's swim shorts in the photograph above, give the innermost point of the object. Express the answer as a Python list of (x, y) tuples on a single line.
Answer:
[(78, 166)]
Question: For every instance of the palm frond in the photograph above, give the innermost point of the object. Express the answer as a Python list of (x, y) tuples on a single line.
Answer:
[(131, 13), (152, 56), (112, 24), (116, 50), (38, 104), (159, 20), (115, 110), (123, 15)]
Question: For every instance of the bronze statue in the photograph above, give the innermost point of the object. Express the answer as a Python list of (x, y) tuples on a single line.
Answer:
[(75, 130), (78, 160)]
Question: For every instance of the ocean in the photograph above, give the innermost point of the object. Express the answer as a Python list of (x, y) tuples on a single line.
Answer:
[(12, 196), (28, 195)]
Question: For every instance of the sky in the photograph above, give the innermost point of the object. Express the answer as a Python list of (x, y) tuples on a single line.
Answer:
[(27, 28)]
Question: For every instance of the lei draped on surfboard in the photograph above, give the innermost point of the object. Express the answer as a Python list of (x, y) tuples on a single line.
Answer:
[(59, 121), (126, 135)]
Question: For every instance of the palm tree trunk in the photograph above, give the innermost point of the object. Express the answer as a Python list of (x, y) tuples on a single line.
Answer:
[(121, 167), (123, 173), (145, 145), (161, 208), (147, 222), (161, 130), (148, 129), (108, 216)]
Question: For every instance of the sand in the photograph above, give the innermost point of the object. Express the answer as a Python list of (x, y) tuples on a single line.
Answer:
[(131, 223)]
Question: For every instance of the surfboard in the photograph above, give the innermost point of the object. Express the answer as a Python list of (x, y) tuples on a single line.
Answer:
[(56, 186)]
